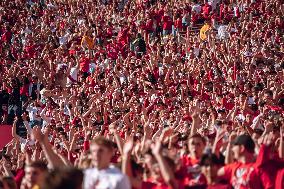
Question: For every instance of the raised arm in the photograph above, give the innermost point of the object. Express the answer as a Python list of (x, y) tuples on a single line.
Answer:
[(228, 155), (53, 159), (43, 116), (196, 121), (117, 138), (7, 167), (126, 164), (26, 123), (14, 129), (166, 170)]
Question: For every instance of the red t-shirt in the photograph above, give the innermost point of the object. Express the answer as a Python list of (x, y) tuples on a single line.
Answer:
[(178, 23), (227, 105), (112, 51), (219, 186), (167, 25), (20, 173), (206, 9), (190, 172), (72, 156), (149, 25), (245, 176), (279, 182), (7, 36), (84, 64), (151, 185), (24, 90), (30, 50), (270, 166)]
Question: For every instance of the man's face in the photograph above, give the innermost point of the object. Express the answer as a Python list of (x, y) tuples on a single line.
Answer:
[(222, 114), (34, 175), (248, 118), (101, 155), (267, 97), (196, 146)]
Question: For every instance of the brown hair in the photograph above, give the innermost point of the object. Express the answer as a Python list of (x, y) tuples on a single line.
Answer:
[(198, 136), (102, 141), (38, 164), (64, 178)]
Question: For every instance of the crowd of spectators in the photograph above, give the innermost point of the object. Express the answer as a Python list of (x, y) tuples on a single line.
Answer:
[(144, 94)]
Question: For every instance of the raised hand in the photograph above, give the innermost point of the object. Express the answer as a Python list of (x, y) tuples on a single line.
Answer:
[(166, 133), (128, 146), (219, 140), (88, 133), (232, 136), (38, 135), (147, 129), (268, 139), (268, 126), (157, 148), (194, 111)]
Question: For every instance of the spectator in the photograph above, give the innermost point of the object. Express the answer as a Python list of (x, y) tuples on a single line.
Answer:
[(244, 173), (34, 175), (104, 175), (154, 85)]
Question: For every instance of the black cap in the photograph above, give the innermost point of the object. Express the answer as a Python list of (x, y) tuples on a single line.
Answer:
[(245, 140)]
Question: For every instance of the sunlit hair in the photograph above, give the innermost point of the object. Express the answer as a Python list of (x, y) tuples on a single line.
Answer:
[(102, 141), (197, 136)]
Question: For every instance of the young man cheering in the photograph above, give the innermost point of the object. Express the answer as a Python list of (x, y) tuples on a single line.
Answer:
[(104, 175)]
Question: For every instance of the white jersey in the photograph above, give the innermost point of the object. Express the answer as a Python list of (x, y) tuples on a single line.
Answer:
[(73, 75), (34, 113), (222, 32), (110, 178)]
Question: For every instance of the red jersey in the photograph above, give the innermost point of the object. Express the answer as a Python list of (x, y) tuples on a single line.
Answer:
[(243, 176), (190, 172), (167, 25), (279, 183), (84, 64), (151, 185)]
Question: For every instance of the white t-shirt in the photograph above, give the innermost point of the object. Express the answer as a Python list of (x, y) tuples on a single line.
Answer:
[(222, 32), (24, 142), (63, 40), (110, 178), (26, 31), (213, 3), (196, 8), (73, 74), (34, 113)]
